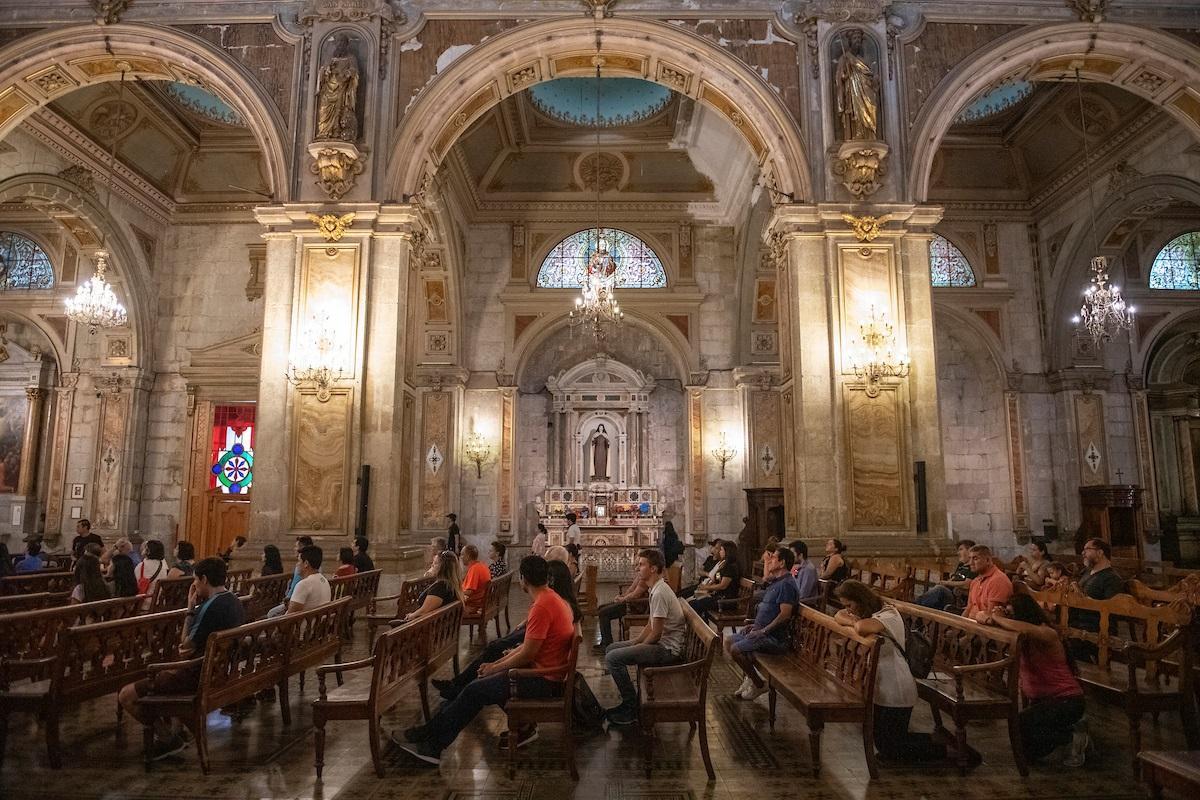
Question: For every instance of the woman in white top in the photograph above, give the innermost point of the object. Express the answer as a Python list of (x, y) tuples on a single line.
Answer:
[(895, 689)]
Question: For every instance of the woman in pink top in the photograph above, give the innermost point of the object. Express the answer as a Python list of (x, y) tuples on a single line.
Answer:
[(1048, 683)]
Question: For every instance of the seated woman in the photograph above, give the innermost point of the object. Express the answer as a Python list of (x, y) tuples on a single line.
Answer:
[(346, 557), (89, 581), (1034, 566), (446, 587), (272, 561), (723, 585), (833, 566), (185, 557), (895, 690), (124, 582), (1048, 683)]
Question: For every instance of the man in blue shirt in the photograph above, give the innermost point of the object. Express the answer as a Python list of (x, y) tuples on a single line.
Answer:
[(772, 624), (32, 562), (808, 586)]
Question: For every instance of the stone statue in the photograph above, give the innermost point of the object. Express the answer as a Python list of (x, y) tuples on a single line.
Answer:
[(600, 455), (857, 91), (337, 95)]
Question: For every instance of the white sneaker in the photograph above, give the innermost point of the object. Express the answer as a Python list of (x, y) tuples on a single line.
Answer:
[(753, 692), (747, 684), (1080, 744)]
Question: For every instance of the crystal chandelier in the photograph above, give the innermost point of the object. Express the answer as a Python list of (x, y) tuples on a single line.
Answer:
[(596, 308), (875, 356), (318, 363), (1104, 313), (95, 305)]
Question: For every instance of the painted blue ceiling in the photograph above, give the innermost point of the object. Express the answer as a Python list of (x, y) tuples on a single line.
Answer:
[(995, 99), (203, 103), (623, 101)]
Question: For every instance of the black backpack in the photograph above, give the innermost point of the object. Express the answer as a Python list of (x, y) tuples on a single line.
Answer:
[(917, 650), (586, 712)]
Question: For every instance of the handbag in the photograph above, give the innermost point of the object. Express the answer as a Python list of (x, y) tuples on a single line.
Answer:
[(143, 583), (917, 652)]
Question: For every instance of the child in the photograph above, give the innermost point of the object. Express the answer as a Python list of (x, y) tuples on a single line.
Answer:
[(1056, 576)]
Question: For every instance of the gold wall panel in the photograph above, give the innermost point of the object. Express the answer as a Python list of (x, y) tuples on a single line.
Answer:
[(11, 105), (436, 408), (1092, 446), (404, 473), (98, 66), (435, 301), (614, 64), (1066, 65), (696, 459), (110, 458), (766, 432), (1188, 104), (507, 406), (766, 305), (867, 279), (877, 462), (320, 446)]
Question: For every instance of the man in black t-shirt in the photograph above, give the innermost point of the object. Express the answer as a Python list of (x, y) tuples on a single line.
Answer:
[(1099, 581), (453, 534), (362, 561), (84, 537), (211, 608)]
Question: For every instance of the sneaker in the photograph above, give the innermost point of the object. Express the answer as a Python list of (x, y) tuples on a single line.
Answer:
[(413, 735), (442, 684), (599, 649), (1080, 744), (163, 748), (753, 692), (423, 752), (746, 686), (621, 715), (525, 735)]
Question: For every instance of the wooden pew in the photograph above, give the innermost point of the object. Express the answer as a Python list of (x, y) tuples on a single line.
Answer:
[(29, 602), (93, 660), (240, 662), (479, 617), (735, 613), (587, 593), (975, 675), (236, 581), (400, 658), (889, 579), (829, 676), (361, 588), (171, 593), (266, 592), (523, 711), (1133, 672), (37, 583), (406, 602), (679, 693)]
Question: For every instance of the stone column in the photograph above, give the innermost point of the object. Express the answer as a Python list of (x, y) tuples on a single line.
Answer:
[(30, 446)]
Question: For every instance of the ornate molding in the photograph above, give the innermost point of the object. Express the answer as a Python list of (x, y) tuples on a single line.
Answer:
[(82, 177), (860, 166), (337, 165), (349, 11), (108, 12), (331, 226), (838, 11), (868, 228), (1089, 10), (599, 9)]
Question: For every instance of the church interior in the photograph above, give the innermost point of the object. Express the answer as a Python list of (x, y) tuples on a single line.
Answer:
[(894, 274)]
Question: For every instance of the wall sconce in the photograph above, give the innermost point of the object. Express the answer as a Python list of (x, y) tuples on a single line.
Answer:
[(724, 453), (477, 451), (318, 363), (876, 357)]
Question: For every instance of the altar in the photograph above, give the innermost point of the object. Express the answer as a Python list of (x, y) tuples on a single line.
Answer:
[(607, 517)]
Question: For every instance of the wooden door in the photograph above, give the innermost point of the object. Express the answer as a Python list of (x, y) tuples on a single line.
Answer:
[(220, 475)]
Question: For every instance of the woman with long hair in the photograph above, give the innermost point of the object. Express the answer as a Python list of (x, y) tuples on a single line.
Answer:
[(722, 586), (124, 582), (563, 584), (1048, 683), (446, 586), (833, 566), (895, 690), (272, 561), (672, 546), (89, 581), (1035, 565)]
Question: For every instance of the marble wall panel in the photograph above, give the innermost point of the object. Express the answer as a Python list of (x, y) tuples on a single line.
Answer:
[(320, 447), (436, 410), (1091, 442), (405, 467), (110, 456), (766, 435), (64, 403), (696, 460), (867, 281), (877, 461)]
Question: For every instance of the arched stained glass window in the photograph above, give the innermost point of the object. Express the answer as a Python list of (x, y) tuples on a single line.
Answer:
[(638, 266), (948, 267), (23, 264), (1177, 266)]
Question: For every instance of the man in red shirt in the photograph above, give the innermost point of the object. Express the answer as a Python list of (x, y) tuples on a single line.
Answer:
[(549, 633), (990, 588), (476, 577)]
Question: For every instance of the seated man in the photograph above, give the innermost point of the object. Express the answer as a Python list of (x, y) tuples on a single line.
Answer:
[(211, 607), (362, 561), (772, 626), (990, 588), (32, 562), (313, 589), (806, 575), (941, 594), (549, 633), (476, 578), (617, 609), (1098, 581), (438, 546), (301, 543), (660, 642)]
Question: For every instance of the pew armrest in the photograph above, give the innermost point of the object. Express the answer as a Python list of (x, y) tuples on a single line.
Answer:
[(167, 666), (339, 668)]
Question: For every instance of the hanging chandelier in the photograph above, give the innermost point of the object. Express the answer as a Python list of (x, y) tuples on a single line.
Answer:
[(318, 362), (874, 356), (1104, 313), (95, 304), (596, 309)]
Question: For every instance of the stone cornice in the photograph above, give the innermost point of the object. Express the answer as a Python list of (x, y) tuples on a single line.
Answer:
[(823, 218), (369, 218)]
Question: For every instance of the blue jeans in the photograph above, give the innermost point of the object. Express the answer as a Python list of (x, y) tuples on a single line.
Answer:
[(621, 655), (937, 597), (493, 690)]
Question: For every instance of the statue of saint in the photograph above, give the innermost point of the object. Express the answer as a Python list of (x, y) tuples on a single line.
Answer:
[(857, 91), (337, 95), (600, 455)]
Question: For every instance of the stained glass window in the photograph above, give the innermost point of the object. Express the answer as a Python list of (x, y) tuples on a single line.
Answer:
[(1177, 266), (638, 266), (232, 456), (23, 264), (947, 265)]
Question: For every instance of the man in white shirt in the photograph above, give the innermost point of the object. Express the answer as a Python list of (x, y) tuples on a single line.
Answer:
[(660, 643), (573, 534), (313, 588)]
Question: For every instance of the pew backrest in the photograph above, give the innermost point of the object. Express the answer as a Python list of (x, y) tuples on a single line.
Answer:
[(29, 602), (236, 581), (361, 588), (171, 593), (266, 592), (990, 652), (99, 658), (37, 582), (825, 646)]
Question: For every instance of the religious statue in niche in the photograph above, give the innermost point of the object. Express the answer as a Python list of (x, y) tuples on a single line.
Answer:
[(856, 86), (337, 93), (600, 454)]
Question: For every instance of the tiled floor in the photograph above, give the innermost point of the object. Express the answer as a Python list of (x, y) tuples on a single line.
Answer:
[(260, 758)]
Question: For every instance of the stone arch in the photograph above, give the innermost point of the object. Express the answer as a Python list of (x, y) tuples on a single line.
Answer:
[(1068, 281), (39, 68), (127, 263), (1153, 65), (656, 51), (58, 347)]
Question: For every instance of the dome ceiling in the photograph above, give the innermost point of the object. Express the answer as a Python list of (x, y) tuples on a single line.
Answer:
[(994, 100), (202, 103), (622, 101)]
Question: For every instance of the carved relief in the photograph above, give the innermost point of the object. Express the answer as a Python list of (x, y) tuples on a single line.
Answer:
[(108, 12), (52, 80), (332, 227), (765, 305), (435, 437), (112, 118), (685, 251), (528, 75), (257, 282), (64, 406), (319, 453), (767, 427), (82, 177), (337, 167), (874, 439), (517, 268), (609, 168), (435, 302), (764, 343), (991, 248), (677, 78), (861, 166), (408, 420)]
